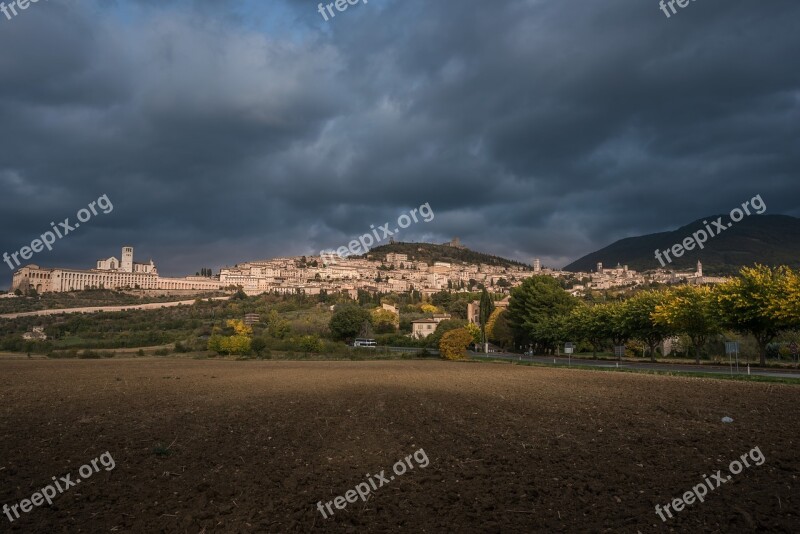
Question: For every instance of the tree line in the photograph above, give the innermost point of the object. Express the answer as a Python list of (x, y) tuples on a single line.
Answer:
[(762, 302)]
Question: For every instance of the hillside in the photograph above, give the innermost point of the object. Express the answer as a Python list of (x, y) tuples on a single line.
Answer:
[(430, 253), (767, 239)]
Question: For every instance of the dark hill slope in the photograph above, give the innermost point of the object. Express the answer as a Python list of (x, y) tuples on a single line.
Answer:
[(766, 239)]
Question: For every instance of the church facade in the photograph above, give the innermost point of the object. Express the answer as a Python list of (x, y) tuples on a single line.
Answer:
[(109, 273)]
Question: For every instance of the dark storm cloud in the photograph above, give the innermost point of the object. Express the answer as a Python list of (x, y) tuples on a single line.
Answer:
[(230, 131)]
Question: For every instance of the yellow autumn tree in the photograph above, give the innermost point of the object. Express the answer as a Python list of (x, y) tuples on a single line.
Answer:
[(239, 343), (758, 302), (475, 332), (454, 343), (492, 322), (239, 327), (787, 306), (689, 310), (384, 320)]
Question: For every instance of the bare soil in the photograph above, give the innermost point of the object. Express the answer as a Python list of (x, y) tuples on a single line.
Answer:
[(225, 446)]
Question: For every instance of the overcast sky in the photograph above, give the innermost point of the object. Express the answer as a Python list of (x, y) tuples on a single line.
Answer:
[(224, 131)]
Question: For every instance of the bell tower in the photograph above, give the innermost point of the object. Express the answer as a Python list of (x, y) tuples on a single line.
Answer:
[(127, 260)]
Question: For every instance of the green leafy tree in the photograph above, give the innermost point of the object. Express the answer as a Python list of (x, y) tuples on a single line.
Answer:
[(347, 321), (618, 328), (691, 311), (485, 309), (258, 345), (442, 299), (637, 314), (458, 309), (239, 295), (310, 343), (277, 326), (551, 331), (590, 323), (366, 329), (215, 343), (537, 300), (498, 330)]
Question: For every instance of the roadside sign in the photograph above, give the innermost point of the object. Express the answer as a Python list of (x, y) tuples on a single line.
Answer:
[(731, 348), (619, 351), (568, 348)]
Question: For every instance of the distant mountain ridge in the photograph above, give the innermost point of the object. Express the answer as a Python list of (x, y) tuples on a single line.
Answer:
[(767, 239)]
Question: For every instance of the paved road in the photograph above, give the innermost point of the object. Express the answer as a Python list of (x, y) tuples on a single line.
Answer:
[(685, 368), (94, 309)]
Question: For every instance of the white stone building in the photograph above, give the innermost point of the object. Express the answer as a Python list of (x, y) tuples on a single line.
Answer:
[(109, 274)]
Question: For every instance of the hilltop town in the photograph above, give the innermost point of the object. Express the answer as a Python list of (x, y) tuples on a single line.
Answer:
[(374, 272)]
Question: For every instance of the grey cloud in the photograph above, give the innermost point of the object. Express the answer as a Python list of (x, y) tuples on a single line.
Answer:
[(231, 131)]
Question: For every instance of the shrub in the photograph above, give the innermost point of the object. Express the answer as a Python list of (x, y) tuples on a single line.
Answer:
[(310, 344), (335, 348), (454, 343), (59, 354), (161, 352), (398, 340), (237, 344), (442, 328), (258, 345)]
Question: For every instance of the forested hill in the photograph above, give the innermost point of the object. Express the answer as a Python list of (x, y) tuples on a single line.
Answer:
[(430, 253), (766, 239)]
